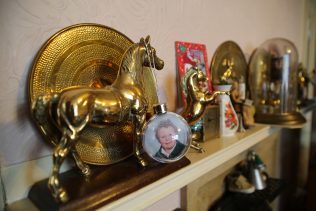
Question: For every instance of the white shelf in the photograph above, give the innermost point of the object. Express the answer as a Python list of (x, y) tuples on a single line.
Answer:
[(218, 151)]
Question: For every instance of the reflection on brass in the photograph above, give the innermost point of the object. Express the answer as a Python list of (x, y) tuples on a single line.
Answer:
[(75, 108), (211, 122), (87, 55), (304, 78), (197, 147), (228, 64), (227, 74), (198, 98)]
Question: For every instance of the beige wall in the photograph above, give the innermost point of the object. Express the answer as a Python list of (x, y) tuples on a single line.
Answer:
[(26, 25)]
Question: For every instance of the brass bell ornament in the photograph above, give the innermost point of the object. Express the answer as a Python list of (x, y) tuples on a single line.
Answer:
[(273, 83)]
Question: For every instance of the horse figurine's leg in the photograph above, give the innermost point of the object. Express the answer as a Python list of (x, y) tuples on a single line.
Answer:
[(60, 153), (85, 169), (139, 118), (74, 132), (139, 121), (138, 145)]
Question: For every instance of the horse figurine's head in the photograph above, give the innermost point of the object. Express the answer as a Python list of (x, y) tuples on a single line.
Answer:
[(150, 57), (201, 80)]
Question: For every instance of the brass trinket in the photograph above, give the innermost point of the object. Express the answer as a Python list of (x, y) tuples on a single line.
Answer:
[(197, 99)]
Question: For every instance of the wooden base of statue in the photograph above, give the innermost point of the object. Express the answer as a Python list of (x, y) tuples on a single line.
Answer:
[(106, 184)]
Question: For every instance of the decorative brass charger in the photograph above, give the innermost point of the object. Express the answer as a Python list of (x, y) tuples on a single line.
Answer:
[(87, 55)]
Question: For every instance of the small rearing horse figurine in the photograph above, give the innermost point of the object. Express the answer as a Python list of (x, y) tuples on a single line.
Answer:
[(197, 97), (75, 108), (197, 100)]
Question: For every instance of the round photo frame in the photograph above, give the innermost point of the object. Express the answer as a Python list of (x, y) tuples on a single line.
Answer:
[(166, 137)]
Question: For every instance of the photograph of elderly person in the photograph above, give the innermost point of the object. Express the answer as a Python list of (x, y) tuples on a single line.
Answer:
[(167, 135)]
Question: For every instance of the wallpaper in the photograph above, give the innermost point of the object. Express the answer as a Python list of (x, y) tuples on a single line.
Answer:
[(26, 24)]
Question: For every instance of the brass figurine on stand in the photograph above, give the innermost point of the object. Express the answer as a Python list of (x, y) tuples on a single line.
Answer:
[(197, 99), (75, 108)]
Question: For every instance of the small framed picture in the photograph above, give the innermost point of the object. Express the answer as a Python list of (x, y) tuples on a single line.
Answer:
[(166, 137), (191, 55)]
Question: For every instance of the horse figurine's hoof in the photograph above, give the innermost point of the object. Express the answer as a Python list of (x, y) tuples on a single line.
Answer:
[(142, 162), (198, 148), (60, 195), (86, 171)]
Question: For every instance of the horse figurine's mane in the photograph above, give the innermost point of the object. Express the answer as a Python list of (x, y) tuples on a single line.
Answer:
[(131, 61), (129, 58)]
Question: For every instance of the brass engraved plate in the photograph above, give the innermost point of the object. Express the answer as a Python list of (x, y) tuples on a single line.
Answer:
[(88, 55)]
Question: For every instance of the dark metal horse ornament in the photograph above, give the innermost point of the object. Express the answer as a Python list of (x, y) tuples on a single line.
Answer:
[(75, 108)]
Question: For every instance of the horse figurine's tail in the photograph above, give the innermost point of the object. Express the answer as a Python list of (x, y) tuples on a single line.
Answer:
[(43, 118)]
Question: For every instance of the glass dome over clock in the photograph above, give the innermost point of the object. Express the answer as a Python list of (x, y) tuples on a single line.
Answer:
[(273, 83)]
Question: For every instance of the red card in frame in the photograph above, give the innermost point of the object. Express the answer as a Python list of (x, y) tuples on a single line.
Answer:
[(191, 55)]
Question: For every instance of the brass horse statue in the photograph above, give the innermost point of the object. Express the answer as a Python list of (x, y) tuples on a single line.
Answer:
[(198, 98), (75, 108)]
